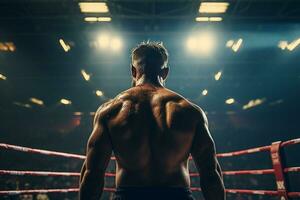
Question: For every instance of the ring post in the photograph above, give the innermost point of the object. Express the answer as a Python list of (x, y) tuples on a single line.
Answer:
[(277, 161)]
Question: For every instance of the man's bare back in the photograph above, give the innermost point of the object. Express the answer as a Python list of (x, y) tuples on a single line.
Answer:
[(152, 132)]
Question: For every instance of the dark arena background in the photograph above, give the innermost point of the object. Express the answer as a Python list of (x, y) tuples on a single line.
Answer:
[(61, 59)]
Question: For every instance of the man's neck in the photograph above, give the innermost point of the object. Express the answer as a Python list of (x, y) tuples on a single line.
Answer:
[(149, 81)]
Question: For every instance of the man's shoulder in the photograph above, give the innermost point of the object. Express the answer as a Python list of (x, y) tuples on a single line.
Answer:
[(114, 104), (187, 104), (107, 108)]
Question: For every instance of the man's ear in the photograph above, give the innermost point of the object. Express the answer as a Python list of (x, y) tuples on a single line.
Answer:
[(164, 73), (133, 71)]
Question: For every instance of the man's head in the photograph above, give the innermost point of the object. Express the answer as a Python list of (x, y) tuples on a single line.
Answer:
[(149, 59)]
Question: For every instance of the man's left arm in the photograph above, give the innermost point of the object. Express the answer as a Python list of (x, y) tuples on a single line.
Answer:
[(98, 154)]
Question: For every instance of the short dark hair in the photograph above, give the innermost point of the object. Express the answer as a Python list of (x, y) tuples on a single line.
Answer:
[(149, 57)]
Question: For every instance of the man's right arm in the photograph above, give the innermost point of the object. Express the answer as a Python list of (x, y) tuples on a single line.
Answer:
[(204, 155)]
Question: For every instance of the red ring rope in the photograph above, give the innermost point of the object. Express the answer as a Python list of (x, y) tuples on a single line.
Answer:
[(47, 173), (69, 155), (40, 151), (43, 173), (260, 192)]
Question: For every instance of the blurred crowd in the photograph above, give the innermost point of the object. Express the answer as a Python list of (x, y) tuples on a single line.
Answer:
[(74, 141)]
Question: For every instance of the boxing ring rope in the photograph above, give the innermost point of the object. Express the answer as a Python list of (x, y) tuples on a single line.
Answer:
[(275, 149)]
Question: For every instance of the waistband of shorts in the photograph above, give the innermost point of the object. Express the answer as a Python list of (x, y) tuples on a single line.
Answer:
[(160, 189)]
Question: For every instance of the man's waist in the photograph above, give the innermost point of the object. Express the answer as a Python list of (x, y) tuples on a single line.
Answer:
[(153, 189)]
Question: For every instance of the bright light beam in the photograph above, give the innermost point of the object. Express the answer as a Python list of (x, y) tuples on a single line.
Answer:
[(201, 44), (116, 44), (104, 40)]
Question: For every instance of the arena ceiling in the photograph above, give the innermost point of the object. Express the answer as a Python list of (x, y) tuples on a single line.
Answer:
[(40, 68)]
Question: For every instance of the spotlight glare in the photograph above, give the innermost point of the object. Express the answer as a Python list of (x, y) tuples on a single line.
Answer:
[(202, 43), (204, 92), (116, 44), (104, 41), (192, 44)]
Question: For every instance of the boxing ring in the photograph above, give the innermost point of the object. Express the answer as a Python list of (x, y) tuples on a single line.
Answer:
[(279, 169)]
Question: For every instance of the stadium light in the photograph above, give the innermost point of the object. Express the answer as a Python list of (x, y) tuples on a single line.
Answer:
[(7, 46), (230, 101), (209, 19), (213, 7), (65, 102), (2, 77), (64, 45), (36, 101), (218, 75), (204, 92), (293, 45), (99, 93), (202, 43), (93, 7), (85, 75), (91, 19), (237, 45), (26, 105), (253, 103), (104, 19), (78, 113), (283, 45), (97, 19), (229, 43), (234, 45)]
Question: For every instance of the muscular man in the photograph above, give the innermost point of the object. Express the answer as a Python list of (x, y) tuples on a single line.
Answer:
[(152, 131)]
